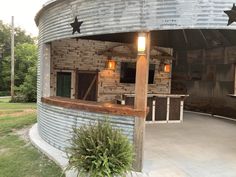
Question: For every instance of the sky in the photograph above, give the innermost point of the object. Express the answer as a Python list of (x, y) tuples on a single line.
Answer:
[(23, 11)]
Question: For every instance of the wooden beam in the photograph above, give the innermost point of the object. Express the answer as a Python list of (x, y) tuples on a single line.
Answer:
[(118, 54), (221, 37), (204, 38), (162, 57), (185, 37), (111, 51), (163, 51), (140, 103)]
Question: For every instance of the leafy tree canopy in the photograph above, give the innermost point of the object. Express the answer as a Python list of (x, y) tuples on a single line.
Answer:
[(25, 58)]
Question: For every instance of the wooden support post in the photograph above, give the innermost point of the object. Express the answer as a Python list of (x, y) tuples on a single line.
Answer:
[(12, 58), (141, 89), (235, 79)]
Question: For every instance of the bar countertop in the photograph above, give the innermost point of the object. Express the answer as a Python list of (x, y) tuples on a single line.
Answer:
[(161, 95), (90, 106)]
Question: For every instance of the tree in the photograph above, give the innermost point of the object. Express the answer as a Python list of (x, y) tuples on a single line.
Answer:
[(27, 92), (26, 73), (26, 58), (5, 64)]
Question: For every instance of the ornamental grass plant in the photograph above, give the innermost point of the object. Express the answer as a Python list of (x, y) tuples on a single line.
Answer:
[(98, 150)]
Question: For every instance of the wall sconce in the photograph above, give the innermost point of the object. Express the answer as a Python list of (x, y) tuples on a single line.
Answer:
[(167, 68), (110, 64), (141, 43)]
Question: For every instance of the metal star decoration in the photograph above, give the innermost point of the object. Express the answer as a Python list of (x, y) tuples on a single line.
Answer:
[(76, 25), (231, 14)]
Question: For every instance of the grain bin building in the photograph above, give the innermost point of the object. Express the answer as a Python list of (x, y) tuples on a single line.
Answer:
[(95, 55)]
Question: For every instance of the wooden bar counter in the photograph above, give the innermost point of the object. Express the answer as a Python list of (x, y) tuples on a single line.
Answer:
[(58, 116), (105, 108), (164, 108)]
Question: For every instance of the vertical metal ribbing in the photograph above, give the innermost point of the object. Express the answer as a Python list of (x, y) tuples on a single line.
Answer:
[(56, 123)]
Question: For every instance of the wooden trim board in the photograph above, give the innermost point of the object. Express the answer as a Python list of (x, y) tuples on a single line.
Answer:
[(106, 108)]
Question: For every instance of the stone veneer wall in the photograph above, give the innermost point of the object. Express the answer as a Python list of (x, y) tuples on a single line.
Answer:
[(71, 54)]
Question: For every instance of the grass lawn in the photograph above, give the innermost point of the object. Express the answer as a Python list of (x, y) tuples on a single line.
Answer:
[(18, 158)]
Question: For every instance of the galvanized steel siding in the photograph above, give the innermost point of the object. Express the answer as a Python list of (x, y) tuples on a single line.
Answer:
[(116, 16), (188, 14), (39, 64), (55, 123), (98, 16)]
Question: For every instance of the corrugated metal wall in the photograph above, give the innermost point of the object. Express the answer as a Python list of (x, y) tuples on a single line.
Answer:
[(116, 16), (188, 14), (208, 77), (39, 64), (56, 123)]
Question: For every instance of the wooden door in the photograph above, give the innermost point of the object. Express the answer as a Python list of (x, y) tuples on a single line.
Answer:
[(63, 84), (87, 85)]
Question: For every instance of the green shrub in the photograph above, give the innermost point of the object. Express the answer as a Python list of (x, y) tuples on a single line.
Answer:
[(98, 150), (4, 93), (18, 99), (27, 92)]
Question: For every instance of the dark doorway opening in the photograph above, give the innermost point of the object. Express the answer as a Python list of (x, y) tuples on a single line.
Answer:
[(87, 85)]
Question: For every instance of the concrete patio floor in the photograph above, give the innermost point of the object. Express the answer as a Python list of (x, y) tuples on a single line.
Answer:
[(202, 146)]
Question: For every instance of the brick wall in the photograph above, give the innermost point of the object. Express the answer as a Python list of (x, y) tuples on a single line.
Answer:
[(72, 54)]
